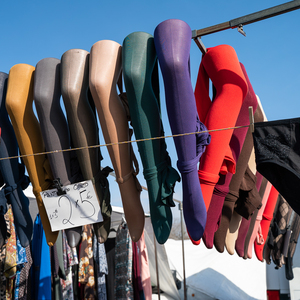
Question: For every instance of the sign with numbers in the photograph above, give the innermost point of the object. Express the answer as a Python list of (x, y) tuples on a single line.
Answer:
[(79, 206)]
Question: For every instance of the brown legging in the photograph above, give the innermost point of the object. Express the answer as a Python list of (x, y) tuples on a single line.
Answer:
[(105, 69), (83, 127), (19, 100)]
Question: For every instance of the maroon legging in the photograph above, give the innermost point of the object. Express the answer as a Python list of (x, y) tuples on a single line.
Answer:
[(222, 187)]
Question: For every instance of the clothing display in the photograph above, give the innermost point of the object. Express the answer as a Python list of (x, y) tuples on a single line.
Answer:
[(267, 216), (84, 129), (54, 128), (140, 70), (278, 156), (105, 70), (242, 240), (240, 180), (13, 173), (172, 40), (221, 189), (234, 187), (256, 232), (274, 244), (19, 99), (221, 65)]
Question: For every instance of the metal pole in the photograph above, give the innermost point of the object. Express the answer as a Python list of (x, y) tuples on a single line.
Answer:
[(248, 19), (183, 258), (156, 264)]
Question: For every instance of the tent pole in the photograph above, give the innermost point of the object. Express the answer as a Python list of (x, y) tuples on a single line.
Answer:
[(156, 264), (183, 257)]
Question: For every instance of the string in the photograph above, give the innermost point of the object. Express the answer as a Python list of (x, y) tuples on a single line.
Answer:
[(124, 142)]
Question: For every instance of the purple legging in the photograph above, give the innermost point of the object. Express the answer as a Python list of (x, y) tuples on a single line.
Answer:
[(172, 40)]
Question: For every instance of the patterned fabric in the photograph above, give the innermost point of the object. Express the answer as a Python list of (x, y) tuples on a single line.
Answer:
[(10, 264), (279, 229), (86, 263), (101, 268), (24, 277), (2, 277), (21, 260), (67, 285), (2, 261), (123, 268)]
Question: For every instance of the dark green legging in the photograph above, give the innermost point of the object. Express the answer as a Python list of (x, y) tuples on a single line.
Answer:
[(141, 83)]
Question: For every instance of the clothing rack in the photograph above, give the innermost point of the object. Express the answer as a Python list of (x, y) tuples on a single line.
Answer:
[(244, 20)]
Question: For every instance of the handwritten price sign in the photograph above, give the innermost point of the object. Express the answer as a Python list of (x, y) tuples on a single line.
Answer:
[(79, 206)]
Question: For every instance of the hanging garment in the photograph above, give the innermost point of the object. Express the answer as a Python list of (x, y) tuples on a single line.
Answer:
[(291, 245), (13, 173), (247, 202), (234, 186), (105, 70), (256, 233), (245, 224), (83, 127), (57, 265), (267, 216), (2, 276), (110, 257), (136, 274), (2, 260), (19, 98), (123, 268), (172, 40), (101, 269), (21, 261), (221, 65), (24, 288), (145, 270), (274, 245), (54, 128), (278, 156), (253, 219), (10, 264), (222, 187), (86, 274), (3, 229), (41, 267), (69, 261), (142, 88)]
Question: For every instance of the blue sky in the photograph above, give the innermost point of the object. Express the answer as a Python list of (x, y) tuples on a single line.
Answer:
[(33, 30)]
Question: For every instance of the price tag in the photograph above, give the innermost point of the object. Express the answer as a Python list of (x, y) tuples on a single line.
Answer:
[(79, 206)]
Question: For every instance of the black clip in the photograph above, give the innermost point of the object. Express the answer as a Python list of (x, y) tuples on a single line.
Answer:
[(58, 186)]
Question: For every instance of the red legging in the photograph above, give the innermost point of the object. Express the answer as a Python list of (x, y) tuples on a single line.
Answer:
[(222, 66), (266, 221)]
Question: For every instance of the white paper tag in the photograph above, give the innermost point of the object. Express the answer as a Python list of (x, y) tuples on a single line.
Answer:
[(79, 206)]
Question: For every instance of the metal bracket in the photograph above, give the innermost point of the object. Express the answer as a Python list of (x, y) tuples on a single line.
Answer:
[(241, 30)]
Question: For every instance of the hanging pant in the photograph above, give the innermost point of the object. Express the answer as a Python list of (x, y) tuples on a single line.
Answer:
[(222, 187), (13, 173), (19, 100), (54, 128), (173, 41), (140, 67), (84, 129), (221, 65), (105, 70)]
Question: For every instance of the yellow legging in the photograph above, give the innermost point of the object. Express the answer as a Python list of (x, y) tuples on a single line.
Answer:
[(19, 100)]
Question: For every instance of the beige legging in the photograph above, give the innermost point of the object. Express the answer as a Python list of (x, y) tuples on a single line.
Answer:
[(19, 100), (105, 69), (83, 125)]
